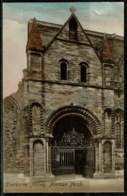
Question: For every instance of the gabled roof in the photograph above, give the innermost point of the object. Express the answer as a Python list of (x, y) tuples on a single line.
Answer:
[(107, 55), (72, 15), (34, 39), (59, 32)]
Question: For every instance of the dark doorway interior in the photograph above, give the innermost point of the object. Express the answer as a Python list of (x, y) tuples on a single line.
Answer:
[(67, 124), (80, 161), (72, 152)]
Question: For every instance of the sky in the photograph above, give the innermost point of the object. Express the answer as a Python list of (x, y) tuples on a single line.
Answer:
[(96, 16)]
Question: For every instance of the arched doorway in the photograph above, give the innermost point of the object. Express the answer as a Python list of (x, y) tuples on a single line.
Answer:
[(72, 146)]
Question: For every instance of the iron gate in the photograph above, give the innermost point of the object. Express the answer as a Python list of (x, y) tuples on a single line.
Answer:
[(73, 154), (63, 160)]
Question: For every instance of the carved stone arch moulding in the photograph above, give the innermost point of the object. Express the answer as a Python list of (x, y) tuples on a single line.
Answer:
[(38, 157), (107, 141), (37, 104), (118, 110), (91, 120), (13, 102), (11, 105), (38, 139)]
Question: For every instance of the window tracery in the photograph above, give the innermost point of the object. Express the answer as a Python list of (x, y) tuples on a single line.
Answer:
[(119, 132)]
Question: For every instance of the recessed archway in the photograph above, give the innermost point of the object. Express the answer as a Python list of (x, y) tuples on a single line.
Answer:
[(67, 124), (72, 146), (38, 160), (81, 126), (89, 118)]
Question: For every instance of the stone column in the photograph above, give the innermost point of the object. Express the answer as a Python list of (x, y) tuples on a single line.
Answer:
[(98, 158), (48, 156), (21, 150), (113, 157), (21, 163), (26, 146), (31, 157)]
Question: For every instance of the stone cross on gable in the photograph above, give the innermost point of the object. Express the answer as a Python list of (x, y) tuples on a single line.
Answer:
[(72, 9)]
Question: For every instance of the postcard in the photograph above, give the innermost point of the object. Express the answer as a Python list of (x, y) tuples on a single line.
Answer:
[(63, 113)]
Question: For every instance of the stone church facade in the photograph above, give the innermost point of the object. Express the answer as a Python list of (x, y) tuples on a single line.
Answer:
[(67, 115)]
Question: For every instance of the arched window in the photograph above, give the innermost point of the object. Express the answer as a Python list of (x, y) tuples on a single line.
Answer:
[(118, 135), (119, 129), (63, 70), (83, 73), (73, 29), (122, 135)]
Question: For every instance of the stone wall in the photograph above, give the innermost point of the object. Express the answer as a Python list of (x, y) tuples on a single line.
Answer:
[(74, 54), (43, 90), (57, 96), (11, 136)]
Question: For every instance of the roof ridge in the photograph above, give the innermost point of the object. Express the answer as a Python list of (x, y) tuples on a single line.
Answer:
[(72, 15), (58, 32)]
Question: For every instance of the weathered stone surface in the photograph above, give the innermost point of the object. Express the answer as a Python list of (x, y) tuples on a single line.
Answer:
[(34, 39), (43, 99)]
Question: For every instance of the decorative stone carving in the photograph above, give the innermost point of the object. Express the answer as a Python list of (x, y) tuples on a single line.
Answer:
[(119, 132), (35, 118), (73, 138), (90, 118)]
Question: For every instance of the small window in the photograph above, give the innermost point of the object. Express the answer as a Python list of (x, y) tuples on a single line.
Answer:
[(63, 67), (73, 29), (83, 73)]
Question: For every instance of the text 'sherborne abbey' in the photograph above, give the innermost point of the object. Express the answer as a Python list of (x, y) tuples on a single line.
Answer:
[(67, 116)]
